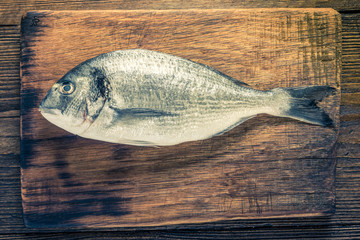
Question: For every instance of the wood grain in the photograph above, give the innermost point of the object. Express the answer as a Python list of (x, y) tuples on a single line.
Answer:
[(12, 10), (344, 224), (267, 167)]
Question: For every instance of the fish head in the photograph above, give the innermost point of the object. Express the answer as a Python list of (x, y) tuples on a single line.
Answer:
[(65, 104)]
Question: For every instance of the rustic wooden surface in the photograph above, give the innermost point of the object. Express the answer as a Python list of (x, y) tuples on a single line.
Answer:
[(267, 167), (12, 10), (344, 224)]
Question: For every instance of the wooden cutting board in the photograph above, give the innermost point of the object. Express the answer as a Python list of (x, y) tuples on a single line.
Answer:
[(267, 167)]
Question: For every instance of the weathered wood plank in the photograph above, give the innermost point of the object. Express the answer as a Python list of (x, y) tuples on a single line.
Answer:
[(261, 232), (12, 10), (349, 136), (347, 211), (348, 188), (217, 179), (343, 225), (10, 200), (9, 76)]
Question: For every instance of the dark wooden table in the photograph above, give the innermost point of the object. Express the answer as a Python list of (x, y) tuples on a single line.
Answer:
[(344, 224)]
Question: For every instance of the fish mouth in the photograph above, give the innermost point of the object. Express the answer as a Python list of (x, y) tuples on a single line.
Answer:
[(46, 110)]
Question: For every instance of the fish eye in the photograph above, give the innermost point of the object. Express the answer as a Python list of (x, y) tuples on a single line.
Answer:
[(67, 88)]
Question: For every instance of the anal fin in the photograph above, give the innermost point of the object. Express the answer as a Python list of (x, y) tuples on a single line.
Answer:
[(234, 125)]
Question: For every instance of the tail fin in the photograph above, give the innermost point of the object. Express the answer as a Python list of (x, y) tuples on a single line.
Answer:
[(303, 104)]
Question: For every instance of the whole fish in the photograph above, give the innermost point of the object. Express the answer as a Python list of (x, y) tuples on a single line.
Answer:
[(148, 98)]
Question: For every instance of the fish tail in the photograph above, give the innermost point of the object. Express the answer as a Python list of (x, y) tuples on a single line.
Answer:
[(303, 104)]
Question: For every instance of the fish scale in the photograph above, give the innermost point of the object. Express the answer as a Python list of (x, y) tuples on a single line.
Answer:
[(148, 98)]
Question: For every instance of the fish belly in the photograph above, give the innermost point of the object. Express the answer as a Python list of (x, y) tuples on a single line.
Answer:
[(197, 124)]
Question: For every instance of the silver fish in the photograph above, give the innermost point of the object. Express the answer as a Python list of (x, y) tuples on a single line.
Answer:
[(148, 98)]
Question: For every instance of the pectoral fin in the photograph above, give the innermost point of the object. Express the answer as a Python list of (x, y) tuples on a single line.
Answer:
[(140, 112)]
